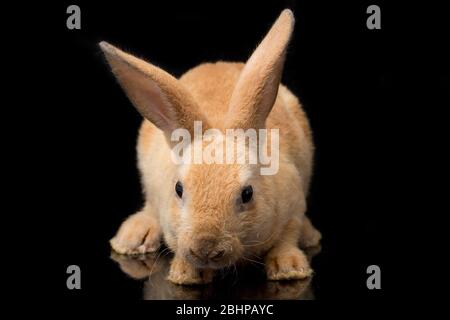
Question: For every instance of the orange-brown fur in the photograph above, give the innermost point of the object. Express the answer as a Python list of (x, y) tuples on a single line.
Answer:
[(206, 219)]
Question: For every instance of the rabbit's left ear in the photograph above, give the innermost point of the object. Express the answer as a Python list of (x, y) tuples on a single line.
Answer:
[(257, 87)]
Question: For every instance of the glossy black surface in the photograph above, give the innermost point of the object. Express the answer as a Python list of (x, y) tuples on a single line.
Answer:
[(235, 283)]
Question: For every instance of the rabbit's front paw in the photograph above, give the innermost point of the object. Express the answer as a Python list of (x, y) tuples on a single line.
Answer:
[(139, 234), (182, 272), (286, 264)]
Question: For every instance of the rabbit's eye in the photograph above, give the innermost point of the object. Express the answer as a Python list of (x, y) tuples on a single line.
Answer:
[(179, 189), (247, 194)]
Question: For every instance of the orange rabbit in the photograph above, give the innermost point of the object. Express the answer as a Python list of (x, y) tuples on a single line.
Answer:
[(214, 215)]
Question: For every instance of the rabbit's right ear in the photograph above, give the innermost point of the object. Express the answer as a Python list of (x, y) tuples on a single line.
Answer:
[(158, 96)]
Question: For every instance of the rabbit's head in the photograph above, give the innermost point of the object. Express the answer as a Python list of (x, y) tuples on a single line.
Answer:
[(218, 211)]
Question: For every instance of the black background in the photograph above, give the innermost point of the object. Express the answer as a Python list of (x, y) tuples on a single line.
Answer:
[(359, 88)]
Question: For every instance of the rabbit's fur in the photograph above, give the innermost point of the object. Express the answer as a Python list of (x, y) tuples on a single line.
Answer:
[(207, 220)]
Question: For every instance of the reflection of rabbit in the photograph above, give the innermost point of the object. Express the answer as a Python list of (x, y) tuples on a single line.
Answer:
[(215, 215), (247, 283)]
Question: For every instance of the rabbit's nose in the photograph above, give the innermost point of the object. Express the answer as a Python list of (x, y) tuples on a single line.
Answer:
[(217, 255), (205, 256), (197, 254), (205, 250)]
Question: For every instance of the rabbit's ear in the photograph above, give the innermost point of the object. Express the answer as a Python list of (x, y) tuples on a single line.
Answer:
[(158, 96), (257, 86)]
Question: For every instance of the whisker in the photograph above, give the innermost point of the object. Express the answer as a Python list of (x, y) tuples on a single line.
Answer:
[(253, 261), (157, 258), (259, 243), (254, 255)]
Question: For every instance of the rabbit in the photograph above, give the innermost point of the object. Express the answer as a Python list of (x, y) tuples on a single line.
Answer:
[(213, 216)]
